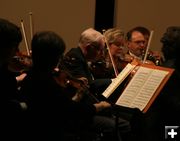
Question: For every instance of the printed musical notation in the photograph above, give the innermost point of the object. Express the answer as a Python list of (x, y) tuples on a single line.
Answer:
[(141, 88)]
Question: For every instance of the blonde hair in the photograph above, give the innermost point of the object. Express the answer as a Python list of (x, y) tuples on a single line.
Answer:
[(113, 34)]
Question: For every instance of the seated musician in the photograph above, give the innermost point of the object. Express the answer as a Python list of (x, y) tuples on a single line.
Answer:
[(113, 54), (137, 41), (171, 101), (10, 106), (164, 111), (90, 47), (52, 111), (76, 61)]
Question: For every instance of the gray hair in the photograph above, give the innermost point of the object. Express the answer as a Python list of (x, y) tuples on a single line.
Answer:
[(90, 36)]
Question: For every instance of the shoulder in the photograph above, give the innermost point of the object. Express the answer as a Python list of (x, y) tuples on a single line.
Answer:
[(73, 51), (74, 54)]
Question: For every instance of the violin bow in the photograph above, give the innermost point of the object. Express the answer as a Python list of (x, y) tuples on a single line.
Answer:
[(110, 55), (31, 25), (25, 39), (148, 45)]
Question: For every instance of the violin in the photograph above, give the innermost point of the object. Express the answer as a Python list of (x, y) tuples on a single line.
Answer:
[(103, 67), (110, 64), (154, 57), (23, 60), (98, 68), (20, 63), (76, 89)]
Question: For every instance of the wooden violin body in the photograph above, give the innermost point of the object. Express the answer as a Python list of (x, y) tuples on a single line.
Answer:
[(20, 63), (73, 86)]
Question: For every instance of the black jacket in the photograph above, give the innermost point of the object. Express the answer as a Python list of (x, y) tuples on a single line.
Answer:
[(50, 110)]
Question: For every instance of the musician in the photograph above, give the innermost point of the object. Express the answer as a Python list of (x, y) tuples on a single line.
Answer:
[(116, 48), (10, 107), (166, 107), (52, 111), (90, 48), (171, 101), (137, 41)]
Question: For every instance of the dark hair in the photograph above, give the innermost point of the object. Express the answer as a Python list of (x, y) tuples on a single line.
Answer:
[(171, 43), (140, 29), (10, 34), (47, 48)]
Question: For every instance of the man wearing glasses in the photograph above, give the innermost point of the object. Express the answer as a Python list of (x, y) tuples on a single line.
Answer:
[(137, 41)]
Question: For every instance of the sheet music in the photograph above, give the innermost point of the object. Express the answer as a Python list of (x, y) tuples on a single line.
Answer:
[(118, 80), (141, 88)]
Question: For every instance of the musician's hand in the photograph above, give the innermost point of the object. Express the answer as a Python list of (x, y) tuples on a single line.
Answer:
[(157, 55), (128, 58), (112, 79), (135, 62), (84, 80), (102, 105), (149, 62), (20, 77), (79, 94)]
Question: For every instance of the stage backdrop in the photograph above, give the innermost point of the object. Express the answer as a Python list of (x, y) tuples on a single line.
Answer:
[(157, 15), (68, 18)]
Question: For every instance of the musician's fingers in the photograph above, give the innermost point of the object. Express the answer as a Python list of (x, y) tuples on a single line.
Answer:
[(84, 80)]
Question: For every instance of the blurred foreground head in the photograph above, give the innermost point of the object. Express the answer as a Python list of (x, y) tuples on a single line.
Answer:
[(47, 49), (10, 37), (171, 44)]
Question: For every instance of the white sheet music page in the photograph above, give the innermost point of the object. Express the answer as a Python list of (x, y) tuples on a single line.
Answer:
[(141, 88), (118, 80)]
